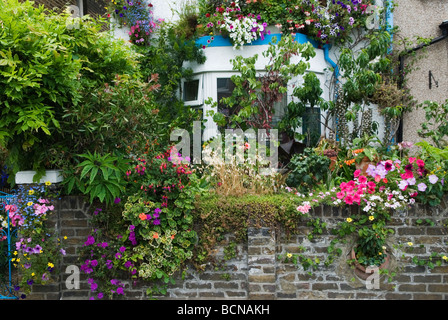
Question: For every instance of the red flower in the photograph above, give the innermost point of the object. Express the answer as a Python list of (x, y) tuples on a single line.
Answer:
[(207, 15)]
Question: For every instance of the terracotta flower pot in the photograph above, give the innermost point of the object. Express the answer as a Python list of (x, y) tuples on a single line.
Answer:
[(363, 165), (360, 270)]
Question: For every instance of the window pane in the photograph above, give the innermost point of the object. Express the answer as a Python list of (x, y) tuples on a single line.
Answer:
[(191, 89), (225, 88), (311, 126)]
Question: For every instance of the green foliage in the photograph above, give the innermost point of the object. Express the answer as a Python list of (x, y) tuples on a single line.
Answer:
[(435, 127), (166, 57), (318, 228), (218, 216), (308, 170), (101, 177), (253, 99), (299, 259), (362, 73), (45, 65)]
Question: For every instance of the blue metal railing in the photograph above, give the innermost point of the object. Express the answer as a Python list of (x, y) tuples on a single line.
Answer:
[(6, 286)]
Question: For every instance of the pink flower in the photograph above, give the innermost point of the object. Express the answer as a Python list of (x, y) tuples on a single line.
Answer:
[(349, 199), (340, 195), (420, 162), (411, 159), (362, 179), (304, 208), (357, 173)]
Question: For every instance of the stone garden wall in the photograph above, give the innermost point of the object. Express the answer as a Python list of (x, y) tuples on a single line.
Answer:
[(256, 272)]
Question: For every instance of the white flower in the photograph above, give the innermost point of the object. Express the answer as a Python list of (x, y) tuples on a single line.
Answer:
[(433, 178)]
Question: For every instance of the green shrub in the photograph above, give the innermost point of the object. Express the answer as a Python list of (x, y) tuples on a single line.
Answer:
[(45, 66)]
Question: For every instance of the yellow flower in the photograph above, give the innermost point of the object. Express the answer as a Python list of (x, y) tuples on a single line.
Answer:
[(289, 255), (47, 183), (371, 218), (33, 274), (50, 265), (349, 220), (30, 203), (445, 258), (65, 237), (31, 192), (380, 253), (410, 244), (15, 253)]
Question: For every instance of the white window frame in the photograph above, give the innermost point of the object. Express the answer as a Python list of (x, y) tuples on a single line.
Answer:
[(200, 94)]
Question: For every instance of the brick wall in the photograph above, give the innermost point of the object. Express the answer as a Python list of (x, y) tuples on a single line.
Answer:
[(257, 273)]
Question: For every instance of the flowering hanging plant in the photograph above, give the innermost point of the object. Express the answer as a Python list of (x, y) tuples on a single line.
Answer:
[(37, 251), (241, 28), (137, 15)]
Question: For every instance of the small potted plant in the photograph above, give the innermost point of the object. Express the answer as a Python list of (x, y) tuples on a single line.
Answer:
[(370, 251)]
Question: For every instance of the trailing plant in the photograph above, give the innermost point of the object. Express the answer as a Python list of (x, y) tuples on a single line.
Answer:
[(137, 15), (37, 249), (299, 259), (156, 235)]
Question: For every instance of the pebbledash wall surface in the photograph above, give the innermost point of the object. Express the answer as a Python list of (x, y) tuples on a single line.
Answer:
[(257, 273)]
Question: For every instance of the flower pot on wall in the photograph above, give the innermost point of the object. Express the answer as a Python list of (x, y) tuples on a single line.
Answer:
[(361, 271), (26, 177)]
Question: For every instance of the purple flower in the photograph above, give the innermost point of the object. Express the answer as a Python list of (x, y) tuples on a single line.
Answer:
[(94, 286), (90, 240), (100, 295), (421, 187), (122, 249), (157, 210), (433, 178), (156, 222), (117, 200), (120, 290), (94, 263)]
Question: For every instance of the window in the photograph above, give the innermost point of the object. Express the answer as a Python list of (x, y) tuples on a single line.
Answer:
[(311, 126), (192, 91), (224, 88)]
